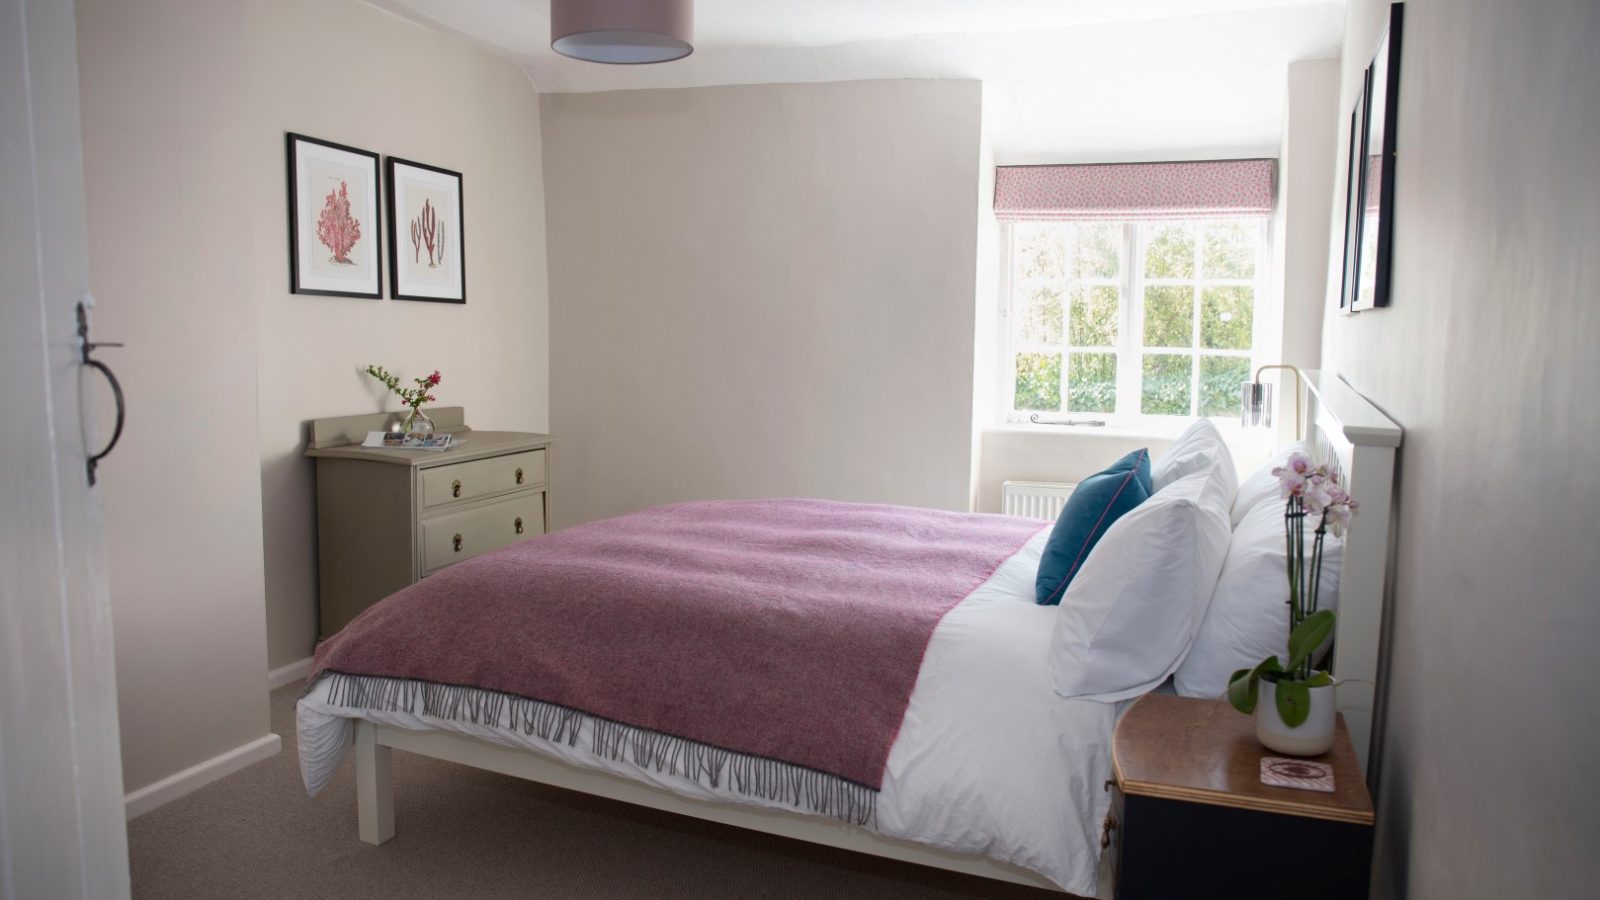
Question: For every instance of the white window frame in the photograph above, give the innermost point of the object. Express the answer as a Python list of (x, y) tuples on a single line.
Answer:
[(1130, 348)]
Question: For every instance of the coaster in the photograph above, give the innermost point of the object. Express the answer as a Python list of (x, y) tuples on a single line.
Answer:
[(1300, 774)]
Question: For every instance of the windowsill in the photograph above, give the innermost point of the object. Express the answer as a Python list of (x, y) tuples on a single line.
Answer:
[(1152, 430)]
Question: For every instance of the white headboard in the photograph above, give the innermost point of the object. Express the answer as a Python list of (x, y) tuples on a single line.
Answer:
[(1351, 433)]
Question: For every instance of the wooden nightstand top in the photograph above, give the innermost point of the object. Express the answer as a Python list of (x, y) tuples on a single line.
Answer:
[(1205, 751)]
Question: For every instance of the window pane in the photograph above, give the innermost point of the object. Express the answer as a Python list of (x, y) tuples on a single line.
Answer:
[(1039, 381), (1170, 251), (1230, 250), (1169, 316), (1092, 382), (1098, 244), (1094, 316), (1165, 390), (1226, 315), (1039, 315), (1220, 378), (1039, 249)]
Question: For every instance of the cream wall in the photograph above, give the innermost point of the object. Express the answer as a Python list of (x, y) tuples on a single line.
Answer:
[(410, 92), (210, 519), (165, 145), (762, 290), (1487, 358)]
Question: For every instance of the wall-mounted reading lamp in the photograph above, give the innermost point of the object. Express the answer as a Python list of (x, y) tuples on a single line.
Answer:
[(1255, 402)]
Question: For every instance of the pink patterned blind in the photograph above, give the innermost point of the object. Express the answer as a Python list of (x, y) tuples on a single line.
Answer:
[(1175, 190)]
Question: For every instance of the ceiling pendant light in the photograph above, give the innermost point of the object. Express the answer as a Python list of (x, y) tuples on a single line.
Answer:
[(622, 32)]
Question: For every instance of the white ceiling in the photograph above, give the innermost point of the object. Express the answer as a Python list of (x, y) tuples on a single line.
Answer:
[(1066, 80)]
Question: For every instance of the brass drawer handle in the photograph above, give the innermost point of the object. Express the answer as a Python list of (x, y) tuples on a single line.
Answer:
[(455, 488), (457, 541), (519, 524), (519, 477)]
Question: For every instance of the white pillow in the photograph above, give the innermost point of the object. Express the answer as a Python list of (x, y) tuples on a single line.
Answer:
[(1199, 448), (1262, 485), (1136, 604), (1248, 619)]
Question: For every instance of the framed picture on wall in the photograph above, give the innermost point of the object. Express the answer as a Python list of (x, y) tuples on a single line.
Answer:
[(333, 219), (1377, 170), (1354, 192), (427, 251)]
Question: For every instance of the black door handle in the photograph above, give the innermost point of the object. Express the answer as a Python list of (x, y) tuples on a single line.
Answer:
[(87, 346)]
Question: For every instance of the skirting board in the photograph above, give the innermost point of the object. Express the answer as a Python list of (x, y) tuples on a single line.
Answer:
[(198, 776), (295, 671)]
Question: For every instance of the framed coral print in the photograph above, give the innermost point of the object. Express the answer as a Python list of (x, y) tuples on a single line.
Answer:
[(333, 219), (427, 249)]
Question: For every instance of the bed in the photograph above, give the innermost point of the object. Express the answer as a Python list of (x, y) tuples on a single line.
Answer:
[(989, 772)]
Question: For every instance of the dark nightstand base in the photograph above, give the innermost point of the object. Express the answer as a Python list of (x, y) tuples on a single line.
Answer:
[(1171, 848)]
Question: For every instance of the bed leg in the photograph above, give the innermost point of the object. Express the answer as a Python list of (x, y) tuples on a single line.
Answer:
[(374, 785)]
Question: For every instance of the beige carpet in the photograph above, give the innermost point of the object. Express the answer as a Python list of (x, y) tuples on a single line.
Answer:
[(464, 833)]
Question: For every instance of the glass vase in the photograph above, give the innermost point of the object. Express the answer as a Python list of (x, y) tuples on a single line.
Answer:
[(416, 422)]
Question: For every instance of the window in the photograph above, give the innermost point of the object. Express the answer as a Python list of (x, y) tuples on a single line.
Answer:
[(1123, 319)]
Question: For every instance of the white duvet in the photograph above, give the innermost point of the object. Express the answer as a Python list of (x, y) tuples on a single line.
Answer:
[(989, 759)]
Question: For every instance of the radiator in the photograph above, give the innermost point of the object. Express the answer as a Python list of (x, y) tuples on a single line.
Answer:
[(1034, 499)]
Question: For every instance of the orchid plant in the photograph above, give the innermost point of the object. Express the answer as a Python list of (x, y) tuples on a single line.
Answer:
[(412, 397), (1315, 491)]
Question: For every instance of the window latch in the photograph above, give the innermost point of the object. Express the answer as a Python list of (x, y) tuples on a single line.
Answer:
[(1086, 423)]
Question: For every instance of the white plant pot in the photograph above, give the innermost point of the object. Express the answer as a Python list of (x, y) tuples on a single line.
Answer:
[(1313, 737)]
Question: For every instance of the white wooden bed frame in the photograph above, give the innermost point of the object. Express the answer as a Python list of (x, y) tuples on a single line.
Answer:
[(1345, 428)]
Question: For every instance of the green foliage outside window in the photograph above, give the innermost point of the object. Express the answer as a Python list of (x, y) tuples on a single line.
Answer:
[(1230, 251), (1170, 253), (1220, 380), (1065, 309), (1092, 382), (1038, 250), (1038, 382), (1039, 321), (1169, 316), (1227, 317), (1164, 387), (1098, 245), (1094, 316)]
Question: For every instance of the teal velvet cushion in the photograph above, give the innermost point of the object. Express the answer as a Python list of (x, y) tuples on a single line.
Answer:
[(1099, 500)]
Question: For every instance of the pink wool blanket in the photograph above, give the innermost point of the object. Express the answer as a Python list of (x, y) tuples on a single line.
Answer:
[(759, 643)]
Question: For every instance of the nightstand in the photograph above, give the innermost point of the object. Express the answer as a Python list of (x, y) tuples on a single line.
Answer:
[(1191, 818), (389, 518)]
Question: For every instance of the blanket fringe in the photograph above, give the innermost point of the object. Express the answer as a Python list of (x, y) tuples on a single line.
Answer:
[(805, 789)]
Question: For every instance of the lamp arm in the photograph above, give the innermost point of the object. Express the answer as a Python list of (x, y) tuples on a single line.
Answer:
[(1300, 386)]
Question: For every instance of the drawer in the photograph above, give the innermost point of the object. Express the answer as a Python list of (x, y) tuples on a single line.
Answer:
[(444, 485), (456, 536)]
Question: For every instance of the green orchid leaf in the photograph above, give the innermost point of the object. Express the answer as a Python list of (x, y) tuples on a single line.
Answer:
[(1309, 636), (1242, 691), (1245, 685), (1294, 702), (1319, 678)]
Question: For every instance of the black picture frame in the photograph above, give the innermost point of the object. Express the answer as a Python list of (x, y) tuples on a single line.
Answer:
[(1355, 190), (1375, 242), (308, 274), (409, 281)]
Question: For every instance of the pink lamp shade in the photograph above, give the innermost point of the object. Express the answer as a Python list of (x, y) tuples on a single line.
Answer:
[(622, 32)]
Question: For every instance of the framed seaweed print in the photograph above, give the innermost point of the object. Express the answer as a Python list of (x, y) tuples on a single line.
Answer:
[(333, 219), (1377, 170), (427, 251)]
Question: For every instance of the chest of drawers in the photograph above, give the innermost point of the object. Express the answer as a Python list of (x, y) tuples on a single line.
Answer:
[(387, 518)]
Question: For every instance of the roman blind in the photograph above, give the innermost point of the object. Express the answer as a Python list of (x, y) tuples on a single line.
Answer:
[(1168, 190)]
